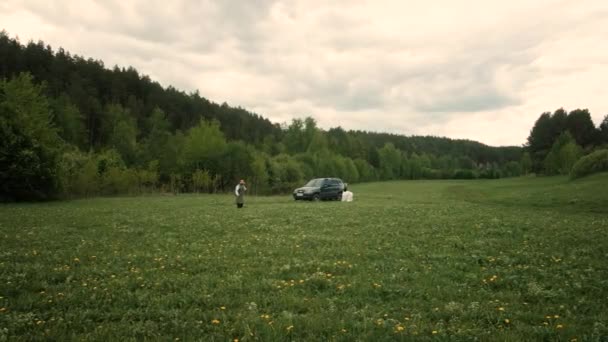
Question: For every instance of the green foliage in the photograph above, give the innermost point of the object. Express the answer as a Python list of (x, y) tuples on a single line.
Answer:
[(121, 133), (87, 181), (116, 180), (148, 178), (464, 174), (512, 169), (390, 161), (603, 134), (204, 147), (365, 170), (564, 153), (69, 121), (526, 163), (550, 128), (72, 173), (294, 138), (259, 174), (90, 174), (592, 163), (160, 144), (351, 174), (176, 183), (284, 174), (489, 171), (237, 162), (29, 146), (580, 125), (201, 181)]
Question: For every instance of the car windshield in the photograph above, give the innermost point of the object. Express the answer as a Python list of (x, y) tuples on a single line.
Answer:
[(314, 183)]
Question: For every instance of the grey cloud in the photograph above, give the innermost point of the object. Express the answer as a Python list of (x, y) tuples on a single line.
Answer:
[(488, 100), (339, 61)]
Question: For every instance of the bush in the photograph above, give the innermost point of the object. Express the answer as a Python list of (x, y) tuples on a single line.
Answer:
[(463, 174), (73, 178), (29, 144), (591, 163)]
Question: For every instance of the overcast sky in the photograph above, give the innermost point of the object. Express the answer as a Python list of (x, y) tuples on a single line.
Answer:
[(476, 69)]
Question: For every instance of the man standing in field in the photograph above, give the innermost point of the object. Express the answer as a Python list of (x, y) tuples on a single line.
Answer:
[(239, 192)]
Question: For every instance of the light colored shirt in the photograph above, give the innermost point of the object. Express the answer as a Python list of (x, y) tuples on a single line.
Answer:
[(347, 196), (236, 190)]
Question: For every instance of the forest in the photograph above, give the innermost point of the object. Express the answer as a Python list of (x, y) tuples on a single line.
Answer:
[(70, 127)]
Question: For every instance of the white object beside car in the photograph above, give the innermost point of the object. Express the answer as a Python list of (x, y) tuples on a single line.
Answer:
[(347, 196)]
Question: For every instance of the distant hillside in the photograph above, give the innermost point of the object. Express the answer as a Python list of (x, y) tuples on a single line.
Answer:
[(121, 118)]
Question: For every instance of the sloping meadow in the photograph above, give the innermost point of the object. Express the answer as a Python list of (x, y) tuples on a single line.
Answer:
[(424, 260)]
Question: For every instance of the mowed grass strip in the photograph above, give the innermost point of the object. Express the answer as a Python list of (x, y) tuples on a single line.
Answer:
[(407, 260)]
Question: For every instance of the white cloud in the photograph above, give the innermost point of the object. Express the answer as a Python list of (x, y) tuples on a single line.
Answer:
[(476, 69)]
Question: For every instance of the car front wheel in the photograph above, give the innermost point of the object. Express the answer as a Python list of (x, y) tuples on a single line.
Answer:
[(316, 197)]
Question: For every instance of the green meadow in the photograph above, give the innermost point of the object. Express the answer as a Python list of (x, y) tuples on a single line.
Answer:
[(506, 260)]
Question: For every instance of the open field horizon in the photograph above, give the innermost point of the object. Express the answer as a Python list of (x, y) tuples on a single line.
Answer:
[(509, 259)]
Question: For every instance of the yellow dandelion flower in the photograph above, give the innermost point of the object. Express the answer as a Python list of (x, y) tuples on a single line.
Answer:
[(507, 321), (215, 321), (39, 322), (501, 309), (289, 328), (76, 260), (434, 332), (556, 316), (400, 328), (222, 307), (343, 330), (2, 309), (559, 326)]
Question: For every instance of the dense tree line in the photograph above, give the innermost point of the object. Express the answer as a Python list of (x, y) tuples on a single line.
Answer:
[(559, 139), (71, 127)]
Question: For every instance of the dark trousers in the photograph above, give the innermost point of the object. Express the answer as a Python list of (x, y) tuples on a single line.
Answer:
[(239, 205)]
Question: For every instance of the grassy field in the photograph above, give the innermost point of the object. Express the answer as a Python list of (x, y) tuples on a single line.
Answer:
[(515, 259)]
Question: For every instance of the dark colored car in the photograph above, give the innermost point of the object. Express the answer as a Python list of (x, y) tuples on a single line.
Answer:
[(320, 189)]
